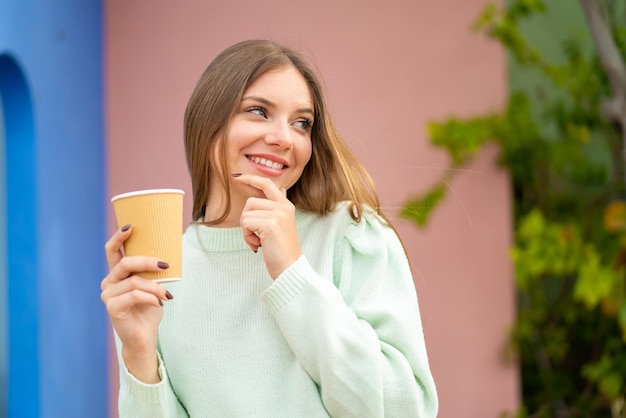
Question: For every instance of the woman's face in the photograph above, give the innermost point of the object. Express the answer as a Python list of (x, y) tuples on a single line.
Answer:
[(270, 133)]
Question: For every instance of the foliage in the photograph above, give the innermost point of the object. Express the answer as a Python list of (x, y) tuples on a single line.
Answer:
[(569, 254)]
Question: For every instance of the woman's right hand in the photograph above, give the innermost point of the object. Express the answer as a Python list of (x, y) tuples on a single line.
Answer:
[(134, 305)]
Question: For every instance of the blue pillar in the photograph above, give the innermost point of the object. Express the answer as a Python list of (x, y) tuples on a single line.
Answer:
[(56, 218), (4, 307), (21, 219)]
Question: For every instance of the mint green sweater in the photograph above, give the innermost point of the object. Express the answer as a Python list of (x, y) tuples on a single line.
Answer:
[(336, 334)]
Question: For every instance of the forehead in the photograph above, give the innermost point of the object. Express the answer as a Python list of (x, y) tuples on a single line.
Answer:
[(281, 83)]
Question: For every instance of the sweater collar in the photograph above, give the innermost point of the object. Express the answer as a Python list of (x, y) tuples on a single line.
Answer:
[(218, 239), (214, 239)]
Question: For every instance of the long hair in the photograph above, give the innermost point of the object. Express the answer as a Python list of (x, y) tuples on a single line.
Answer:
[(333, 173)]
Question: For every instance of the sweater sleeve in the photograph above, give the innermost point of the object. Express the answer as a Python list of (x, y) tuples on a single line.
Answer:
[(359, 336), (141, 400)]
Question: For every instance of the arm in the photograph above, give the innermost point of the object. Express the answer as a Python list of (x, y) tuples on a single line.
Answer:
[(135, 307), (138, 399), (360, 339)]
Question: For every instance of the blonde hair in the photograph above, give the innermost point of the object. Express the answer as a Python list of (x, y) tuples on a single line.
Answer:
[(333, 173)]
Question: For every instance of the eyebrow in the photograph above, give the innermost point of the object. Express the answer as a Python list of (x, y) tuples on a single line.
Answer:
[(269, 103)]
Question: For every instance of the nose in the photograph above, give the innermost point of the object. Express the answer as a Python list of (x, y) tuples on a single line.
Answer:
[(280, 135)]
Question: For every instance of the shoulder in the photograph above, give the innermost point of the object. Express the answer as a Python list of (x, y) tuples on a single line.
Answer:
[(370, 230), (340, 215)]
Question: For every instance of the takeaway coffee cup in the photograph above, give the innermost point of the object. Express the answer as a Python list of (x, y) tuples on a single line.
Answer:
[(156, 217)]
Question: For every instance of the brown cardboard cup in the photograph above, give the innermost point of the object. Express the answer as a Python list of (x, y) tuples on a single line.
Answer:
[(156, 217)]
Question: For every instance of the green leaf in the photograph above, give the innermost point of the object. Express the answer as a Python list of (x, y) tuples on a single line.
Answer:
[(462, 139), (419, 209), (595, 281), (606, 374), (611, 385)]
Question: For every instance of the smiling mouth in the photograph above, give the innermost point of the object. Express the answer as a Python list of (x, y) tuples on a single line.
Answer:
[(266, 162)]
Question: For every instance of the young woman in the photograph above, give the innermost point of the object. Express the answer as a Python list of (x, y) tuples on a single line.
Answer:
[(297, 298)]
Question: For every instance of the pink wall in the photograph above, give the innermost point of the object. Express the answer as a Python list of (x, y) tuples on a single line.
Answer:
[(389, 67)]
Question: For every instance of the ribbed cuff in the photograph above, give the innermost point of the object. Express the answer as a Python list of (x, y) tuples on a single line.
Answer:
[(288, 284), (149, 392)]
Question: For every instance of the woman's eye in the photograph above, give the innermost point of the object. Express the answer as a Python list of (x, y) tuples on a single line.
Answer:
[(304, 124), (258, 111)]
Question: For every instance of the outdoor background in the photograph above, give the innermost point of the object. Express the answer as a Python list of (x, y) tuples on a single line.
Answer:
[(92, 99)]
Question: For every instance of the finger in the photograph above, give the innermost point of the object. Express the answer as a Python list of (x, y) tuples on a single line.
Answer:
[(264, 184), (113, 247), (252, 239), (261, 217), (111, 290), (251, 232), (259, 204), (255, 222), (129, 266), (126, 301)]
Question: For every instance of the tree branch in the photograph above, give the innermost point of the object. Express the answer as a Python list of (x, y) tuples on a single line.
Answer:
[(607, 50), (614, 107)]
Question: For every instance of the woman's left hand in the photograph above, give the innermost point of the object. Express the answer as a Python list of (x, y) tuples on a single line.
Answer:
[(270, 223)]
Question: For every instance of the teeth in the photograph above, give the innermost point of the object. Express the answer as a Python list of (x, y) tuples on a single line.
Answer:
[(267, 163)]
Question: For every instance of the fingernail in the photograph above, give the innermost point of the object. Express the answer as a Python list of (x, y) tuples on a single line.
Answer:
[(236, 174), (168, 295), (163, 265), (160, 302), (125, 228)]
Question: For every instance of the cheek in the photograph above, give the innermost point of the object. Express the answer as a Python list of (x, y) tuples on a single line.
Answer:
[(241, 134), (235, 142), (304, 153), (303, 158)]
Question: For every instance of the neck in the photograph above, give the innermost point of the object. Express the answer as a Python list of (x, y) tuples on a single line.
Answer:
[(217, 205)]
